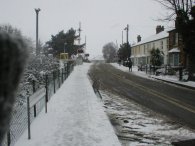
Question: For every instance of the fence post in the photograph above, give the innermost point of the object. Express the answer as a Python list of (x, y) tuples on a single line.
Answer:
[(54, 84), (66, 70), (34, 107), (62, 74), (146, 69), (28, 115), (46, 95), (35, 111), (180, 73), (8, 138), (33, 84), (70, 67), (59, 78)]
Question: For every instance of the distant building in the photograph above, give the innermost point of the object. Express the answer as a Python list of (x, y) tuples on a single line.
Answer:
[(140, 52)]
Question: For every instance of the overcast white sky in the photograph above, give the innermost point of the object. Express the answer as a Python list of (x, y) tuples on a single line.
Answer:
[(102, 20)]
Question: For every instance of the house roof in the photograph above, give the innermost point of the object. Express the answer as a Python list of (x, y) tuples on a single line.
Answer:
[(174, 50), (161, 35)]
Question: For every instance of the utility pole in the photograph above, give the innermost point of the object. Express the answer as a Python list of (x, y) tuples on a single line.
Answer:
[(127, 30), (79, 30), (116, 45), (85, 44), (37, 29), (122, 37)]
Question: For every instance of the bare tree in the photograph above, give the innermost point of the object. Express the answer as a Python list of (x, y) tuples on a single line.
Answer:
[(174, 6), (109, 51), (184, 12)]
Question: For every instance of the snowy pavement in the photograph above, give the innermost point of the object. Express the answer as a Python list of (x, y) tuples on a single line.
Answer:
[(75, 117)]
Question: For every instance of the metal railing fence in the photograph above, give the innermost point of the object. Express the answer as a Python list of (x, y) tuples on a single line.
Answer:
[(25, 112)]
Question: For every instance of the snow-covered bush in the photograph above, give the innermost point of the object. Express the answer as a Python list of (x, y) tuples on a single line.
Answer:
[(36, 69)]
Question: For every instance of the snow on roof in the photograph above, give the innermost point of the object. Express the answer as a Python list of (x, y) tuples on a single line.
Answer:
[(174, 50), (152, 38)]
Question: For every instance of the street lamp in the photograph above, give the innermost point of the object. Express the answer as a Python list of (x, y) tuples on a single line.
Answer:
[(37, 15)]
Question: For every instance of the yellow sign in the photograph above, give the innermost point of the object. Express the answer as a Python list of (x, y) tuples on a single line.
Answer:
[(64, 56)]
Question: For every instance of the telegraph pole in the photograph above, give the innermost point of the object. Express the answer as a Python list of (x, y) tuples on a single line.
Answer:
[(79, 30), (37, 29), (122, 37), (117, 44), (85, 43), (127, 30)]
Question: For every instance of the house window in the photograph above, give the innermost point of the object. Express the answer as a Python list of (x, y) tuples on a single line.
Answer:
[(176, 59), (171, 59)]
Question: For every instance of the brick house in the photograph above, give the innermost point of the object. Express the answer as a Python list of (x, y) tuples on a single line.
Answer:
[(176, 55)]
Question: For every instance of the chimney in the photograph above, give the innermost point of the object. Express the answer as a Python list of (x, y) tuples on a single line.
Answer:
[(159, 29), (139, 38)]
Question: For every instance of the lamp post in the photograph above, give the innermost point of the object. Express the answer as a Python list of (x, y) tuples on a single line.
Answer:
[(37, 19)]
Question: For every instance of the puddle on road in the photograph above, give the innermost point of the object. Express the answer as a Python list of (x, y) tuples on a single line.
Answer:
[(136, 125)]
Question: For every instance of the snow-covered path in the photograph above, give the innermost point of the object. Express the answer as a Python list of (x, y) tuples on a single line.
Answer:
[(75, 117)]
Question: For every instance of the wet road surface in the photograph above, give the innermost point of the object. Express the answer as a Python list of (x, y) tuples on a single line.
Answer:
[(144, 111), (177, 103)]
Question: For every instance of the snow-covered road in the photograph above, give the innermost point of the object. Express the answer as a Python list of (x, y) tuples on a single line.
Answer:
[(137, 125), (75, 117)]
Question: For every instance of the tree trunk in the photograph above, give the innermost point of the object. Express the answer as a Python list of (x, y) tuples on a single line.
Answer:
[(191, 67)]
